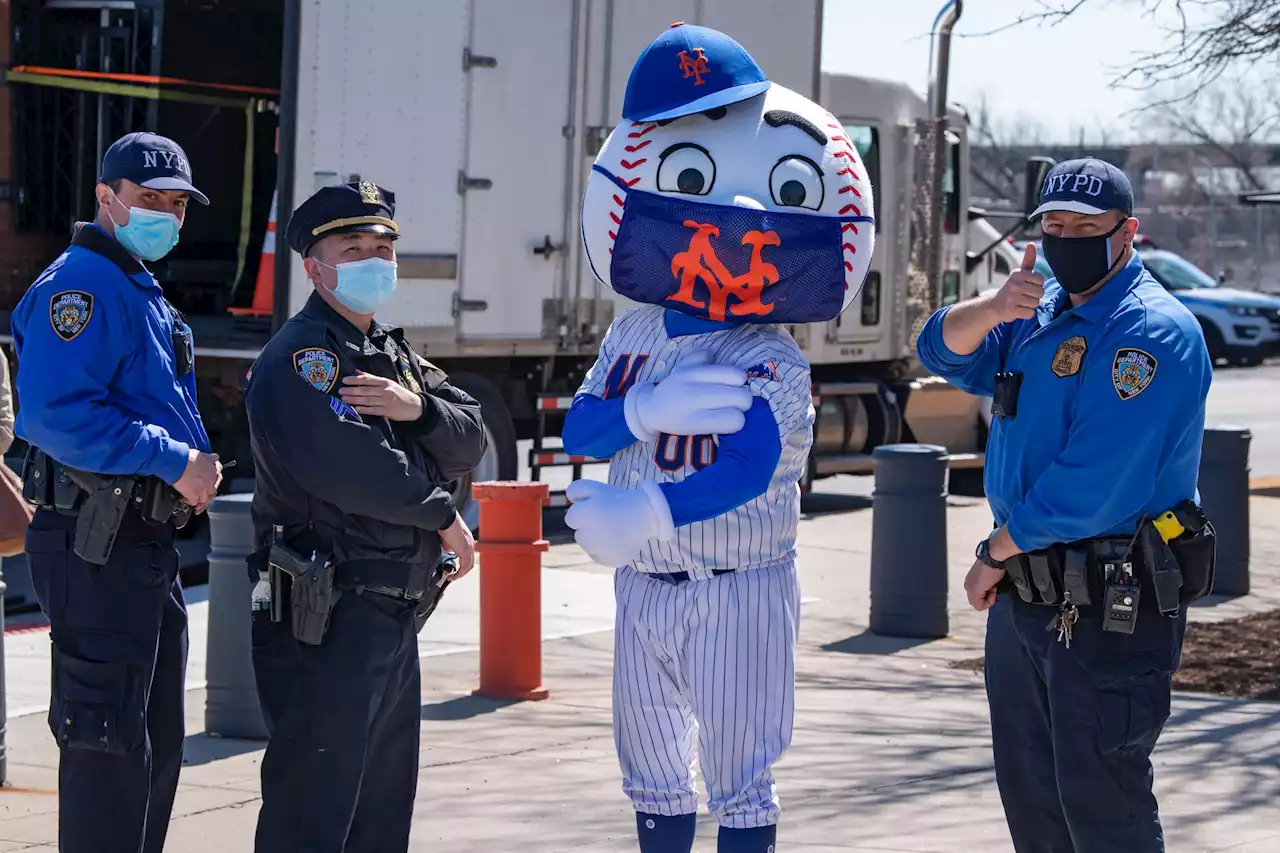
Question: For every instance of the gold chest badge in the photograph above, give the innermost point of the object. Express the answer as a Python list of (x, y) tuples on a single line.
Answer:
[(1069, 357)]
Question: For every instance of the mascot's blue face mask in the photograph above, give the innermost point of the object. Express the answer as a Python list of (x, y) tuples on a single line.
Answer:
[(727, 263)]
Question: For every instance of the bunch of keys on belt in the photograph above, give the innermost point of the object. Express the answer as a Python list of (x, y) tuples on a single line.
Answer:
[(1064, 620)]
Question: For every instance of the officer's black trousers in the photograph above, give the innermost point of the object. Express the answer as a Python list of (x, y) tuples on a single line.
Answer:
[(341, 768), (119, 644), (1073, 728)]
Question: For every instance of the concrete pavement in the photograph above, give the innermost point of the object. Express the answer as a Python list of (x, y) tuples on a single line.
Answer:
[(891, 751)]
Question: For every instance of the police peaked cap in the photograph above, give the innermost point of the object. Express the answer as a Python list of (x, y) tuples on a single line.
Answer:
[(342, 209)]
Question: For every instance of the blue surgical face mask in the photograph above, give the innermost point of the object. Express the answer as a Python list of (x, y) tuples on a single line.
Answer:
[(149, 234), (725, 263), (364, 286)]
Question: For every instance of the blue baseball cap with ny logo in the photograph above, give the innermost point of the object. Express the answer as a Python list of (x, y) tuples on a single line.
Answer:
[(690, 69), (151, 161), (1087, 185)]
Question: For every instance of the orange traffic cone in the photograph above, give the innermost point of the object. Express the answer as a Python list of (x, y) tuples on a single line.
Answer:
[(264, 287)]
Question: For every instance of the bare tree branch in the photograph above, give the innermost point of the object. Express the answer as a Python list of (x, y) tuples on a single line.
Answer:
[(1205, 40), (997, 150), (1229, 124)]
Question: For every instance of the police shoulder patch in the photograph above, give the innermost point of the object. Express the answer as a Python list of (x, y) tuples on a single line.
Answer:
[(318, 367), (1069, 357), (1132, 371), (70, 312)]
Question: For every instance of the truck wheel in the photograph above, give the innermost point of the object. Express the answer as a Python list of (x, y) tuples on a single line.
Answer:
[(499, 462), (1213, 341)]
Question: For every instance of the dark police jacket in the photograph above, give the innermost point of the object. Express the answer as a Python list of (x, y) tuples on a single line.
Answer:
[(357, 486)]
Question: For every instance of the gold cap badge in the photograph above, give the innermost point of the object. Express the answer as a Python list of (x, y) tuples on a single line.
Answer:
[(369, 193)]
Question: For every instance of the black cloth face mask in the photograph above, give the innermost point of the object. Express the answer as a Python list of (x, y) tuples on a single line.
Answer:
[(1079, 263)]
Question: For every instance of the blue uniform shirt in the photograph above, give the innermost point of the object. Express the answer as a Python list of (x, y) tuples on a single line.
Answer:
[(1110, 414), (97, 382)]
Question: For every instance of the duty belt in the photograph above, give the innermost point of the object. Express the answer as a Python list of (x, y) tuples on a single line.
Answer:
[(1075, 572), (99, 502)]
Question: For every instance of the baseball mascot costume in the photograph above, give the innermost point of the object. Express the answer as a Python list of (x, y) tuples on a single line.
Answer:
[(728, 207)]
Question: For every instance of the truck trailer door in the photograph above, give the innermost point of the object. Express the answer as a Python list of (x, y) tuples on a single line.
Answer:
[(515, 179)]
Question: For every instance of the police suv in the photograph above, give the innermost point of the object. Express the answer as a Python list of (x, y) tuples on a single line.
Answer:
[(1240, 326)]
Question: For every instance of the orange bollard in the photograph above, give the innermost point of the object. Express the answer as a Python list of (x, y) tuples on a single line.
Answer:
[(511, 589)]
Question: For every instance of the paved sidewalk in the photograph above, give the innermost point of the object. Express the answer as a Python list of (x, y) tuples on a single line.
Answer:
[(891, 752)]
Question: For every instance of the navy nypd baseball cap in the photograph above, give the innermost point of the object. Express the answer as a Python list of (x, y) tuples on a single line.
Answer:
[(690, 69), (1087, 185), (151, 161)]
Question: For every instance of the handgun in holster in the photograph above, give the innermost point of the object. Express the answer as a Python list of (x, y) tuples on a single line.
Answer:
[(106, 500), (311, 590), (439, 581)]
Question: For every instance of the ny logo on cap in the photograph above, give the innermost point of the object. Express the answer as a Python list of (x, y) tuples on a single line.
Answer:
[(369, 193), (694, 67), (151, 160)]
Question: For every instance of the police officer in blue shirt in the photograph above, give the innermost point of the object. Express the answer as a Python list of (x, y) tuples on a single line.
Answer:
[(118, 460), (1098, 379), (356, 440)]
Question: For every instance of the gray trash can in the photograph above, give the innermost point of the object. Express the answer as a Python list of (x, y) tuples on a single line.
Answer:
[(231, 703), (1224, 496), (909, 541)]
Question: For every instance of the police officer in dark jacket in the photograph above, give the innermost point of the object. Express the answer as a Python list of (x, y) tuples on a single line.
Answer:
[(356, 440), (118, 459)]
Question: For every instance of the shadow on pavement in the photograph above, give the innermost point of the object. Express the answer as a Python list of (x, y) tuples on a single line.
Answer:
[(815, 504), (464, 707), (868, 643), (201, 748)]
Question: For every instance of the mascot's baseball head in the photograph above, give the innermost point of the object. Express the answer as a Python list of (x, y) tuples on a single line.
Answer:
[(726, 196)]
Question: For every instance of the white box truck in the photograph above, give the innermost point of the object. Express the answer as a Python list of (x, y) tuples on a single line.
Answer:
[(483, 117)]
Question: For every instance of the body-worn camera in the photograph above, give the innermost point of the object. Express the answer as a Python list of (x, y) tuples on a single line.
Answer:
[(1004, 402)]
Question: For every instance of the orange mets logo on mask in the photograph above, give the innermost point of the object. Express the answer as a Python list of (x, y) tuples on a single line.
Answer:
[(694, 66), (699, 263)]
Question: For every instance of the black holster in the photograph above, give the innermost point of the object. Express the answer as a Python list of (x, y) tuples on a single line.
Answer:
[(434, 590), (161, 503), (100, 514), (311, 591), (1195, 550)]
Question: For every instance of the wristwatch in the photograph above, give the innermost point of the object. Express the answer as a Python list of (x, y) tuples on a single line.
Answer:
[(984, 555)]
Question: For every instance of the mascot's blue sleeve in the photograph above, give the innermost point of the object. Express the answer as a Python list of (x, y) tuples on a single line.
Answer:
[(595, 424), (747, 461), (744, 468), (595, 427)]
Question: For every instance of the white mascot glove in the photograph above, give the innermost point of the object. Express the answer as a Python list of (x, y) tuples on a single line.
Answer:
[(612, 524), (696, 398)]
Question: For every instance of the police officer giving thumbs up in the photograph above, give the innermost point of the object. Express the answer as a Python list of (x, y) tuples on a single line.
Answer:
[(1098, 378), (118, 459)]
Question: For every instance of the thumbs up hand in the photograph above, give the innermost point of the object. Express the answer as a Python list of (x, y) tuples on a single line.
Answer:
[(1018, 298)]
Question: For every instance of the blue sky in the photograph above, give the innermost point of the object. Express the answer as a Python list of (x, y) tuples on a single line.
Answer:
[(1055, 75)]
